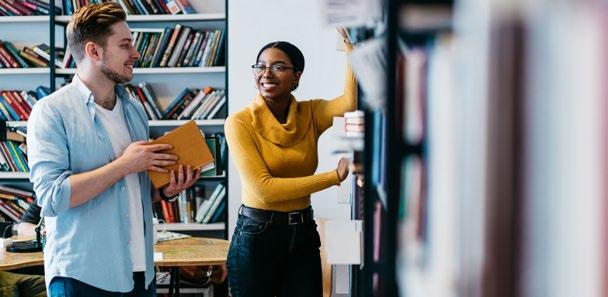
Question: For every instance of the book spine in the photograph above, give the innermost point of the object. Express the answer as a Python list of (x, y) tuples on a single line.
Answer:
[(179, 46), (8, 97), (7, 60), (170, 46), (15, 53)]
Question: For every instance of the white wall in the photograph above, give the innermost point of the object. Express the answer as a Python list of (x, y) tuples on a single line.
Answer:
[(251, 25)]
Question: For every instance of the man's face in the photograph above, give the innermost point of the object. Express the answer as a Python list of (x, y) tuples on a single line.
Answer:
[(119, 55)]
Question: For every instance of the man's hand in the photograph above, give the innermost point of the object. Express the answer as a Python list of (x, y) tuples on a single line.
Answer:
[(183, 179), (141, 155)]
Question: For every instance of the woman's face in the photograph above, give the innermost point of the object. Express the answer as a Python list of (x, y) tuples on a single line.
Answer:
[(274, 75)]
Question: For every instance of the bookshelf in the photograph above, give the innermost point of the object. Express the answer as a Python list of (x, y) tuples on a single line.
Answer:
[(167, 82), (396, 144)]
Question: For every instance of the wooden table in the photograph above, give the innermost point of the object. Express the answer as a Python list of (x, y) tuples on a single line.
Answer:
[(192, 251)]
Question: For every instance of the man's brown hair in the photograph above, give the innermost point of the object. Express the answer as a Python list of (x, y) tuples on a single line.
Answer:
[(92, 23)]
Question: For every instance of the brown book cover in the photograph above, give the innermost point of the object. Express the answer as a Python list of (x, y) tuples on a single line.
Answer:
[(189, 146)]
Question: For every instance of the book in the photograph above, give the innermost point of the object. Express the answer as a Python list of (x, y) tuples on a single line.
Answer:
[(189, 146)]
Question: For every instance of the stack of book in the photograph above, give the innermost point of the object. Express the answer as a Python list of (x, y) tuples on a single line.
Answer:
[(25, 7), (354, 123), (17, 105), (181, 46), (189, 104), (13, 157), (193, 206), (14, 202), (138, 7), (36, 56)]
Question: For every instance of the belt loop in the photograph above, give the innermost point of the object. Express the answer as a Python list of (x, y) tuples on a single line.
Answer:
[(271, 218), (240, 212)]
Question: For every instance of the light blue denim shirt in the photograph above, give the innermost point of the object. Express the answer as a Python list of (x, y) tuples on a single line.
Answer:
[(91, 241)]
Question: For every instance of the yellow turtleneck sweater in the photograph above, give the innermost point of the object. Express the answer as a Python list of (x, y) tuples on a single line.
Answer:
[(277, 162)]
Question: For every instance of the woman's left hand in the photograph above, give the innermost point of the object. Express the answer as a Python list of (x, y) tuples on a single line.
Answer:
[(183, 179)]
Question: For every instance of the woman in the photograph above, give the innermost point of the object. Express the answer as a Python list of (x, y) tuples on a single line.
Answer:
[(273, 142)]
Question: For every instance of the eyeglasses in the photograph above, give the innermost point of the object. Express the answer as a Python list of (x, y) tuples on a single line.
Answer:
[(276, 68)]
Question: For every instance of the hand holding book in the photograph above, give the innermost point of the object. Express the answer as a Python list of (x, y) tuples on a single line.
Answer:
[(179, 181), (188, 144)]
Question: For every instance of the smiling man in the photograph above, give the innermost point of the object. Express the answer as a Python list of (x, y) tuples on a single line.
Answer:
[(88, 154)]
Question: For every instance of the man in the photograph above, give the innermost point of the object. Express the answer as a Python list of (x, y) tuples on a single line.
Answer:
[(88, 153)]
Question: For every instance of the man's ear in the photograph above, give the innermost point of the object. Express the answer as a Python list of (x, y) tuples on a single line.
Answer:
[(93, 51)]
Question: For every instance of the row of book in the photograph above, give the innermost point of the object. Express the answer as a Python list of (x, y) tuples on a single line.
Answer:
[(25, 7), (35, 56), (17, 105), (197, 104), (195, 205), (181, 46), (219, 150), (13, 157), (137, 7), (14, 202)]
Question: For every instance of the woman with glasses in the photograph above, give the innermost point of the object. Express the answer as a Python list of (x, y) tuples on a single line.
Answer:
[(273, 142)]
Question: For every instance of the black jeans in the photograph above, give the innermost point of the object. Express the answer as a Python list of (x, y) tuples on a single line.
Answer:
[(69, 287), (273, 259)]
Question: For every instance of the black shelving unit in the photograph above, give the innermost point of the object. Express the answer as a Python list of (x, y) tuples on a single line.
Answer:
[(54, 74), (379, 275)]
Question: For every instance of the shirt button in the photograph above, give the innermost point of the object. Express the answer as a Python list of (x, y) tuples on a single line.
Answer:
[(122, 188)]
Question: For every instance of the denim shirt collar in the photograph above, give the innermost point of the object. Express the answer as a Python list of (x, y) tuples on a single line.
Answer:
[(89, 100)]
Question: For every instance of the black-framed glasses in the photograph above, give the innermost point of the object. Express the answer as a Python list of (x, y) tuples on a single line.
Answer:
[(275, 68)]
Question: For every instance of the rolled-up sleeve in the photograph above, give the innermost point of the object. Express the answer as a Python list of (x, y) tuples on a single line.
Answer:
[(49, 160)]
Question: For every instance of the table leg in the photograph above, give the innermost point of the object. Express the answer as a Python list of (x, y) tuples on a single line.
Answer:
[(177, 281), (172, 281)]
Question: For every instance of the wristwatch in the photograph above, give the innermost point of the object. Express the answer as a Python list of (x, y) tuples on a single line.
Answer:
[(167, 198)]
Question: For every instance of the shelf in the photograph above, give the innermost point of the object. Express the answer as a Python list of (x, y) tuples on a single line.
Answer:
[(193, 227), (15, 124), (24, 19), (15, 175), (216, 177), (177, 123), (24, 71), (160, 70), (163, 17)]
